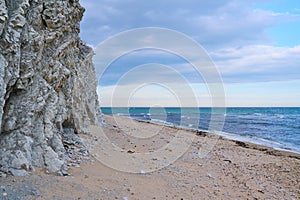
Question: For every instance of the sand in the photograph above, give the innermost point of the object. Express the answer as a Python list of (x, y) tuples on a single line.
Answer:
[(140, 160)]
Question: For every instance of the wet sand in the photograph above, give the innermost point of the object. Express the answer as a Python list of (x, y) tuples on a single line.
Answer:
[(140, 160)]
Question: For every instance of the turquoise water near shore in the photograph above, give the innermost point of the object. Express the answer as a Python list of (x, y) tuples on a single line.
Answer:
[(275, 127)]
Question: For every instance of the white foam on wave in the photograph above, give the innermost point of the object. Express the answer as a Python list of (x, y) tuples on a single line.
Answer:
[(280, 116), (231, 136), (256, 140)]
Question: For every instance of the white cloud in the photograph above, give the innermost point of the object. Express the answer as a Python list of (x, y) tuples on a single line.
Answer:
[(258, 63), (243, 94), (253, 63), (165, 95), (268, 94)]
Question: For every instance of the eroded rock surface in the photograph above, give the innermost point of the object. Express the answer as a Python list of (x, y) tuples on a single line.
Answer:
[(47, 82)]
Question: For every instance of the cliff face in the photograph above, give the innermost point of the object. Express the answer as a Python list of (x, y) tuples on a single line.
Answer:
[(47, 82)]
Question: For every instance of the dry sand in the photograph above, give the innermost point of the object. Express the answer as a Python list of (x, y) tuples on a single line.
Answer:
[(211, 168)]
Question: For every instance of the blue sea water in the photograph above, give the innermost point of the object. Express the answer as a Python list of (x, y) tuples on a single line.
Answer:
[(275, 127)]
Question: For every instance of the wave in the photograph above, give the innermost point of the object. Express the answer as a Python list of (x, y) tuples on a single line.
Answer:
[(273, 127), (257, 140)]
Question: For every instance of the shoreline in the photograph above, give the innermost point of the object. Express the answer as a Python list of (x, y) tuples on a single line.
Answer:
[(261, 142)]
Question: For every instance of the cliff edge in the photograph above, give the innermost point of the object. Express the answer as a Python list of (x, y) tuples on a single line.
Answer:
[(47, 83)]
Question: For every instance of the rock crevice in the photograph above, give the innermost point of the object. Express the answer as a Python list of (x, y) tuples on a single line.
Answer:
[(47, 82)]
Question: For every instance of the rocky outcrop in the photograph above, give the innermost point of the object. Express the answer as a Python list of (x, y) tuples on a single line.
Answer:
[(47, 82)]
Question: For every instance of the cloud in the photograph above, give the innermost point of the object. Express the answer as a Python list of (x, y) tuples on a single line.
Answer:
[(174, 94), (243, 94), (214, 23), (252, 63), (233, 32), (258, 63), (167, 43), (264, 94)]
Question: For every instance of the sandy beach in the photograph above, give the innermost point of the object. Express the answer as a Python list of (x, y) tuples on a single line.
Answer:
[(139, 160)]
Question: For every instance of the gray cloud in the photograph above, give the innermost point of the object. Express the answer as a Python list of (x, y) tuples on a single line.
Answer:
[(213, 23)]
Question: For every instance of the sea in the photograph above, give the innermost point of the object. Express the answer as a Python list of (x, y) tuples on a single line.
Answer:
[(274, 127)]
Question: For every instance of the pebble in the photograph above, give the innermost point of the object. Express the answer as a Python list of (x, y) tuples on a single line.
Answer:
[(4, 194), (209, 175), (125, 198), (130, 151), (75, 165)]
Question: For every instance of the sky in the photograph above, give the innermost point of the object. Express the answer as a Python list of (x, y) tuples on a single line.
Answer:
[(254, 46)]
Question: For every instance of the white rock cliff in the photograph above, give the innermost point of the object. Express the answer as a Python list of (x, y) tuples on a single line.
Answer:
[(47, 82)]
